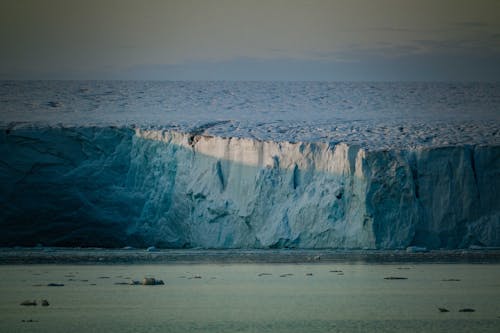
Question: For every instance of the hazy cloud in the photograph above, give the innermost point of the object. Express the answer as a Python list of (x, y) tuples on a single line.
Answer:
[(291, 39), (472, 24)]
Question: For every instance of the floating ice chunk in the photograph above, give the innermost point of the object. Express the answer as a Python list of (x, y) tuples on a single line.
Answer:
[(416, 249)]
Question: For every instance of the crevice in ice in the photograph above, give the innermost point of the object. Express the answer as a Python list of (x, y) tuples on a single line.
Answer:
[(474, 172), (414, 174), (193, 139), (220, 175), (296, 177)]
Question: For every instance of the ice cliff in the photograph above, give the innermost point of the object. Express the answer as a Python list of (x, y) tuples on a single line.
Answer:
[(116, 186)]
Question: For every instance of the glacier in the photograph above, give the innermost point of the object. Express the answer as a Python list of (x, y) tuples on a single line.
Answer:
[(377, 165), (112, 186)]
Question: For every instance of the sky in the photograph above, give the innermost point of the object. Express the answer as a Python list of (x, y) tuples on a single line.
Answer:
[(337, 40)]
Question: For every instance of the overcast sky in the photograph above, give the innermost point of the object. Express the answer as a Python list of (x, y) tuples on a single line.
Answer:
[(250, 40)]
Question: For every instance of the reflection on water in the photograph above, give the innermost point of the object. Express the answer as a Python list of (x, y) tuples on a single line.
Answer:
[(252, 298)]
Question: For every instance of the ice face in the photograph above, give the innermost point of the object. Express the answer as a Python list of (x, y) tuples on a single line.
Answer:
[(116, 186)]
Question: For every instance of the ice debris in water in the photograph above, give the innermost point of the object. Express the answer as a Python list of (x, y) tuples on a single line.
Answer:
[(416, 249)]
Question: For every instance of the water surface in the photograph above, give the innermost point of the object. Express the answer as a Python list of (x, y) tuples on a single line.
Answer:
[(239, 298)]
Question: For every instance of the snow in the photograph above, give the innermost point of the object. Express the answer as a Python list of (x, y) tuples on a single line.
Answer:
[(372, 115), (96, 164)]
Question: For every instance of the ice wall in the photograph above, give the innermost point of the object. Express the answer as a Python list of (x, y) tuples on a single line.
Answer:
[(121, 186), (64, 186)]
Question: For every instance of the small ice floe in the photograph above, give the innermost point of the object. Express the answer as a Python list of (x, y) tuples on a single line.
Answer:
[(286, 275), (151, 281), (127, 248), (483, 248), (416, 249), (54, 104), (467, 310), (151, 249)]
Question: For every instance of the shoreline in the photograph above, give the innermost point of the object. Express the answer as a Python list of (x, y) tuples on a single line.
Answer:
[(45, 255)]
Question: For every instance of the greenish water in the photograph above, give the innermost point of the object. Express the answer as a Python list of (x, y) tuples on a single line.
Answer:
[(234, 298)]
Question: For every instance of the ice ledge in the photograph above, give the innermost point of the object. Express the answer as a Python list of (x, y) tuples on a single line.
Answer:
[(370, 135)]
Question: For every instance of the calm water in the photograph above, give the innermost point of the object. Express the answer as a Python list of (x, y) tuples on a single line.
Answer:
[(234, 298)]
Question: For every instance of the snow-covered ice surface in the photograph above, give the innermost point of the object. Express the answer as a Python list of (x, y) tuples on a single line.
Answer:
[(250, 164), (373, 115)]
